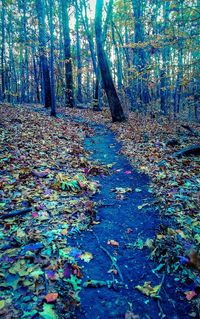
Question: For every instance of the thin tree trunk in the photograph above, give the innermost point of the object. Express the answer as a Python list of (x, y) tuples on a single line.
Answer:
[(114, 102), (119, 63), (78, 53), (37, 90), (43, 58), (26, 62), (53, 96), (143, 91), (93, 56), (67, 54), (3, 51)]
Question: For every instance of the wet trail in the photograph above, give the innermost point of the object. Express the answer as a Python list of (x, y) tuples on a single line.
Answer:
[(124, 222)]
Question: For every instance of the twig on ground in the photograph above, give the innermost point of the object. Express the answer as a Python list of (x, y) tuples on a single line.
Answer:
[(191, 130), (111, 258), (162, 315), (63, 138), (46, 283), (190, 150), (16, 213)]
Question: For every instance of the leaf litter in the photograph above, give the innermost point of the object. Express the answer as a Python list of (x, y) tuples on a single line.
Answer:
[(152, 145), (46, 189), (50, 173)]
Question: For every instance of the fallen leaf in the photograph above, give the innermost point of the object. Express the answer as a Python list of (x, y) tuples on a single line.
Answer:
[(29, 314), (190, 294), (41, 174), (127, 172), (129, 230), (75, 282), (113, 243), (148, 290), (51, 297), (2, 304), (48, 312), (86, 257), (95, 283), (130, 315), (122, 190), (76, 271)]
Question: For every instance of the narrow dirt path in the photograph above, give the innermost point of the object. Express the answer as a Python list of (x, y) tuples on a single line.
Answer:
[(124, 222)]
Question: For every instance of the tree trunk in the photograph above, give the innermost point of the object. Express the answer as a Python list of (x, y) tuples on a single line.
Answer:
[(36, 80), (113, 100), (26, 78), (143, 91), (3, 51), (43, 58), (118, 60), (93, 56), (163, 92), (53, 97), (165, 57), (78, 54), (67, 54)]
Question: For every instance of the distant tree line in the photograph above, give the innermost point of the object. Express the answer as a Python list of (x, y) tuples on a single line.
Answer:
[(143, 54)]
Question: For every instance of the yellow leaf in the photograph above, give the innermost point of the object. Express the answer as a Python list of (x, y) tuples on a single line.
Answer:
[(2, 304), (181, 233), (148, 290), (149, 243), (20, 233), (86, 257)]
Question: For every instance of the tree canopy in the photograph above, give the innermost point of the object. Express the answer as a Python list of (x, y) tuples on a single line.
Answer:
[(151, 48)]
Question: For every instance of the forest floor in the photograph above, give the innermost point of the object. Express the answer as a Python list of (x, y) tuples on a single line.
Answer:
[(94, 228)]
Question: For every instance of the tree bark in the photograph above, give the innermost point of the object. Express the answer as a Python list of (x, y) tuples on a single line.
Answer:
[(93, 56), (113, 99), (43, 57), (3, 50), (67, 54), (53, 97), (78, 54), (141, 58)]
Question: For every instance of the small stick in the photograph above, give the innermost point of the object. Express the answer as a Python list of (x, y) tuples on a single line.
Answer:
[(16, 213), (111, 258), (63, 138), (159, 304), (161, 310), (46, 283)]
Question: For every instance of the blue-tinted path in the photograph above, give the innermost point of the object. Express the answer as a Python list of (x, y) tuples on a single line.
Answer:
[(121, 220)]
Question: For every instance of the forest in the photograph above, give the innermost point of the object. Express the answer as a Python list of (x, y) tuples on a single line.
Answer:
[(99, 159)]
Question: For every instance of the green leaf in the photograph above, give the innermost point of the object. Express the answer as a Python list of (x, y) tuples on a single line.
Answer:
[(36, 273), (95, 283), (29, 314), (48, 312), (148, 290), (139, 244), (2, 304), (75, 282)]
